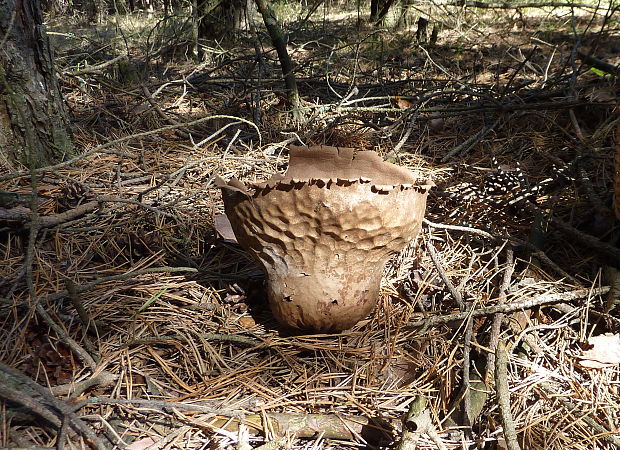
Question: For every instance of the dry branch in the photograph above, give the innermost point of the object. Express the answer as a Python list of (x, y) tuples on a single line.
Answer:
[(599, 64), (102, 379), (498, 318), (330, 426), (25, 391), (76, 348), (484, 5), (540, 300), (164, 405), (418, 422), (96, 68), (444, 277), (503, 396)]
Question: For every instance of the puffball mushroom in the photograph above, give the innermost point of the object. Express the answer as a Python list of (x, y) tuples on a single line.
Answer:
[(323, 231)]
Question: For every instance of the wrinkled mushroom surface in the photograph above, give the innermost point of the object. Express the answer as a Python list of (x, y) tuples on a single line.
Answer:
[(324, 230)]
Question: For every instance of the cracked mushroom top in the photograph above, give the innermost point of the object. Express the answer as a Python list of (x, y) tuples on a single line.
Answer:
[(321, 165)]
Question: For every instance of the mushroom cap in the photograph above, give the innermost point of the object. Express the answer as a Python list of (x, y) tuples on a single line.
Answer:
[(324, 230)]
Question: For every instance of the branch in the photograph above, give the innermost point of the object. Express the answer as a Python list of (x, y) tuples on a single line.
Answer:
[(102, 379), (503, 396), (17, 387), (96, 68), (418, 421), (444, 277), (66, 339), (483, 5), (329, 426), (539, 300)]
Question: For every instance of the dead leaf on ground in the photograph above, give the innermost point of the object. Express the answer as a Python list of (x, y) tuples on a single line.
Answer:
[(141, 444), (605, 352)]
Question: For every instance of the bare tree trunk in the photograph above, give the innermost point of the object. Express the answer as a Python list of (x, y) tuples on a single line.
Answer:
[(385, 7), (220, 18), (279, 42), (195, 29), (237, 12), (374, 10), (96, 11), (33, 121)]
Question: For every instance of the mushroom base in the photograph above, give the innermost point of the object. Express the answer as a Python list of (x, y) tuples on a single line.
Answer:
[(338, 300)]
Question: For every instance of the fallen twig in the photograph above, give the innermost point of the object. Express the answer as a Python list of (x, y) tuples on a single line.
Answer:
[(163, 405), (40, 400), (469, 143), (76, 348), (95, 68), (332, 426), (506, 5), (417, 422), (598, 63), (498, 318), (503, 396), (539, 300), (467, 411), (102, 379)]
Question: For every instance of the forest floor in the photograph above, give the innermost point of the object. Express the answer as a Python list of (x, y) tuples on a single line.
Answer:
[(125, 320)]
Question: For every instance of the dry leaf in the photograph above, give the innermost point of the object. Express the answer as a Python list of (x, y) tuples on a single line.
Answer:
[(247, 322), (141, 444), (223, 228), (402, 103), (605, 352)]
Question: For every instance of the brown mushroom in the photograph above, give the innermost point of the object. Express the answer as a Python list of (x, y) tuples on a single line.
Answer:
[(324, 231)]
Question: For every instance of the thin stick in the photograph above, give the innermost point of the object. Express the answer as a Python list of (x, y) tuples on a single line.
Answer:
[(503, 396), (539, 300), (65, 338), (32, 237), (163, 405), (468, 144), (102, 379), (77, 303), (96, 68), (468, 416), (470, 230), (499, 317), (418, 421), (26, 387)]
